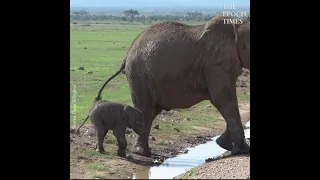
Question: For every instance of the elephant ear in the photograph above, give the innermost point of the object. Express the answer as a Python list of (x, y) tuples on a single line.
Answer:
[(133, 115), (243, 44), (206, 39), (216, 27)]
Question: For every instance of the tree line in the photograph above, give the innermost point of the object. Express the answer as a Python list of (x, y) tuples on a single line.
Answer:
[(134, 15)]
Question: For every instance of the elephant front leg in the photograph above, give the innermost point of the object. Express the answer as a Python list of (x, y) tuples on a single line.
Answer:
[(122, 142), (225, 141), (224, 98)]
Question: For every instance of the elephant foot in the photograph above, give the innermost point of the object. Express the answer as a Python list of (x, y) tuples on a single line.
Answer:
[(240, 148), (143, 151), (121, 153), (224, 142), (77, 132), (100, 150), (129, 157)]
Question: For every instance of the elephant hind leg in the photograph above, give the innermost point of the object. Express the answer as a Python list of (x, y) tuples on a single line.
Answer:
[(142, 99), (101, 133), (141, 145)]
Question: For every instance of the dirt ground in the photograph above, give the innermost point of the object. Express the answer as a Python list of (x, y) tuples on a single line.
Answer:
[(85, 163), (236, 167)]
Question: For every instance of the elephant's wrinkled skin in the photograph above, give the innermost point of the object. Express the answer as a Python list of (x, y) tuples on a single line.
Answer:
[(106, 115), (172, 65)]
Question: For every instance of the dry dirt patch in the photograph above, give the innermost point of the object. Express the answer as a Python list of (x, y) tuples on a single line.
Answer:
[(237, 167)]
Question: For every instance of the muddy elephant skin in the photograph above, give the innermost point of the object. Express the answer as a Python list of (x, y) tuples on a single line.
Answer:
[(172, 65)]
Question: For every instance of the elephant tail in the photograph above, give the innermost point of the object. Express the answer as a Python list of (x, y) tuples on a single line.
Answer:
[(98, 98), (78, 130)]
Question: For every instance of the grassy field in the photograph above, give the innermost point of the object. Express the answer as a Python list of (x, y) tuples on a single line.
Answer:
[(99, 47)]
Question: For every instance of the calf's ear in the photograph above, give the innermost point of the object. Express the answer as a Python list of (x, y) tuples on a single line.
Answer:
[(134, 116), (130, 114)]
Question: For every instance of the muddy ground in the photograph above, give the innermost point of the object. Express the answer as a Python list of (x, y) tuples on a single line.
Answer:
[(86, 163)]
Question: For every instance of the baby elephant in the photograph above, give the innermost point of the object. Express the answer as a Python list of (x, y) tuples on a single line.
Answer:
[(107, 115)]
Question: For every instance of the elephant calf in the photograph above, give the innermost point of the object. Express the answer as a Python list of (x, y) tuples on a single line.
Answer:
[(106, 115)]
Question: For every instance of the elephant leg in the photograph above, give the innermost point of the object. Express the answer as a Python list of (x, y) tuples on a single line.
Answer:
[(122, 142), (224, 141), (141, 145), (224, 97), (101, 133), (142, 99)]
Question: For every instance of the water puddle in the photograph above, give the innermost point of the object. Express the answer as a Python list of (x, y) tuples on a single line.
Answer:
[(247, 130), (180, 164)]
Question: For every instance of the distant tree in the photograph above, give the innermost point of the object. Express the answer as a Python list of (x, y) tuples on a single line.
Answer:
[(80, 13), (76, 13), (131, 13), (83, 13), (248, 18), (193, 16), (207, 17)]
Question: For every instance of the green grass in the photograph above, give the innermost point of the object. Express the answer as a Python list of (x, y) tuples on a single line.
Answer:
[(243, 97), (90, 153), (99, 177), (102, 56), (186, 175), (161, 142), (97, 167)]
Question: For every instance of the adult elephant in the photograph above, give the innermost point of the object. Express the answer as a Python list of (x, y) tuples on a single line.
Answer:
[(172, 65)]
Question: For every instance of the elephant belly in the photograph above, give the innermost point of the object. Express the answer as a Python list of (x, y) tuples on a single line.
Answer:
[(181, 98)]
